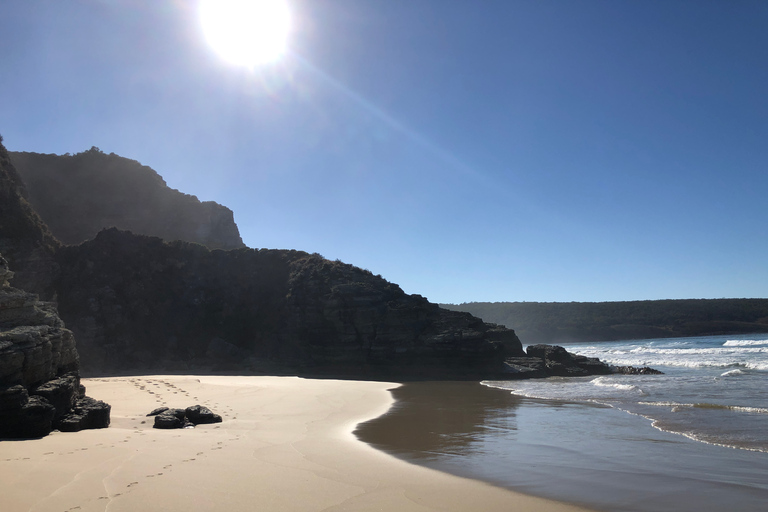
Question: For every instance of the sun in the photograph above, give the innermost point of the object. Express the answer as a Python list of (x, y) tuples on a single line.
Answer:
[(246, 32)]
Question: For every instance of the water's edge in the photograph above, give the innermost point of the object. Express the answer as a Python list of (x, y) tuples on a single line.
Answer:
[(582, 453)]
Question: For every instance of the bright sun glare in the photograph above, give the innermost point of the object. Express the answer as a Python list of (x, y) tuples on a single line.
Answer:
[(246, 32)]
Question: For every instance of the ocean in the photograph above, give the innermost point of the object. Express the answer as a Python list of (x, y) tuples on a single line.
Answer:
[(693, 439)]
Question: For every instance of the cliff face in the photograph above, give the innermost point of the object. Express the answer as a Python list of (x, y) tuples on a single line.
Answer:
[(39, 369), (25, 240), (138, 302), (79, 195)]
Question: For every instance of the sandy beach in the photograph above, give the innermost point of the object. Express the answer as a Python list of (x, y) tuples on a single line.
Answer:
[(285, 444)]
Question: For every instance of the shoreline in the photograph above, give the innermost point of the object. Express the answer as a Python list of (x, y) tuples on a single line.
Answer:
[(580, 452), (286, 443)]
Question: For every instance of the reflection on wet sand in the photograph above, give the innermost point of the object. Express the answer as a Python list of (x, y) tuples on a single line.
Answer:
[(582, 453), (430, 419)]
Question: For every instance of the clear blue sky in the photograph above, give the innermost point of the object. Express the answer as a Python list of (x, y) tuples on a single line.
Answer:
[(468, 150)]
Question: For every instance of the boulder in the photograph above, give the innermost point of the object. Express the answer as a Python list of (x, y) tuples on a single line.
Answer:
[(198, 415), (166, 418), (61, 393), (87, 413), (634, 370)]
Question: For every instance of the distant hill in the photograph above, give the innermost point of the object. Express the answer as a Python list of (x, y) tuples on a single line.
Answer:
[(559, 322), (79, 195)]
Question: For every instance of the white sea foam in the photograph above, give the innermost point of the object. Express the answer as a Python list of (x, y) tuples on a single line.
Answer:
[(607, 383), (700, 351), (744, 343), (732, 373), (722, 407)]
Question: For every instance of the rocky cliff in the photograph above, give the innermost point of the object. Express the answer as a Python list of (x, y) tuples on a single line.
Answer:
[(39, 369), (79, 195), (137, 302), (25, 240)]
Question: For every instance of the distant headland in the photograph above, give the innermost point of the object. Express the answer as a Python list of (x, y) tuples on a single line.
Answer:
[(562, 322)]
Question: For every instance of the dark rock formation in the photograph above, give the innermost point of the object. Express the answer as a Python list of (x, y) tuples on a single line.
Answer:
[(40, 386), (166, 421), (634, 370), (79, 195), (199, 415), (24, 239), (136, 302), (166, 418), (553, 360)]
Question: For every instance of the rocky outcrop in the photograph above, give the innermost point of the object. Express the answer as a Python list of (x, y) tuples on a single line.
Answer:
[(40, 386), (79, 195), (167, 418), (137, 302), (553, 361), (345, 316), (634, 370), (25, 240)]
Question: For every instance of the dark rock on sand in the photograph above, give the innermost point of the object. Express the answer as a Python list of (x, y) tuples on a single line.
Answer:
[(61, 393), (40, 386), (87, 413), (166, 418), (199, 415)]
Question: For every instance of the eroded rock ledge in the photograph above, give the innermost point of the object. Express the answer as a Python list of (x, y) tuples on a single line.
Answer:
[(555, 361), (40, 386)]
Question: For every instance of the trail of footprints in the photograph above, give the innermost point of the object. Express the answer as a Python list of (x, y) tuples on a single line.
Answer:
[(160, 389), (163, 392)]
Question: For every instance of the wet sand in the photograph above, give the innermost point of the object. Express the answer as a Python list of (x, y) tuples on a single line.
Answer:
[(585, 453), (285, 444)]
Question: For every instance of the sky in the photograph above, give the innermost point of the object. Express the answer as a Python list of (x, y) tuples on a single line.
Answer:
[(467, 150)]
